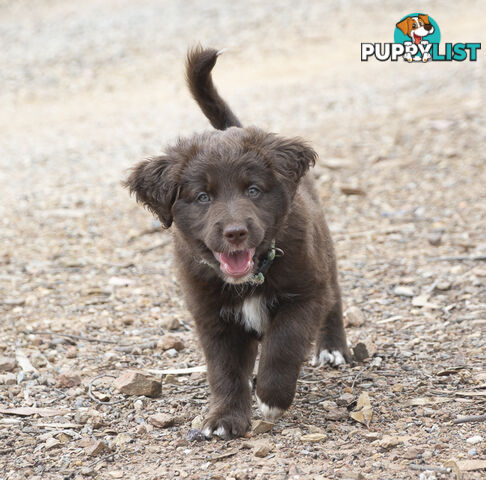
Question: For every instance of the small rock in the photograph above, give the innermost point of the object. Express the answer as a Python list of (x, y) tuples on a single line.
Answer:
[(138, 404), (168, 342), (197, 422), (52, 443), (474, 440), (68, 379), (403, 291), (88, 472), (397, 388), (472, 452), (122, 439), (119, 281), (261, 426), (411, 453), (360, 352), (388, 442), (63, 438), (345, 399), (336, 414), (352, 476), (135, 383), (8, 379), (261, 451), (171, 323), (96, 448), (7, 364), (195, 435), (354, 317), (162, 420), (71, 352), (443, 285), (314, 437), (371, 436), (172, 352), (435, 239)]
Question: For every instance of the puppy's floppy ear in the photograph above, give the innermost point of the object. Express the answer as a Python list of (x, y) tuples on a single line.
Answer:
[(424, 17), (154, 183), (290, 157), (405, 25)]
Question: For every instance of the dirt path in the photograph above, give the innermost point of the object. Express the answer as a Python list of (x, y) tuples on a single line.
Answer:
[(88, 89)]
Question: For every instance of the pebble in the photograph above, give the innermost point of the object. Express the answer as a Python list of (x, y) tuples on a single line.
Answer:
[(168, 342), (261, 451), (172, 352), (435, 239), (444, 285), (136, 383), (52, 443), (314, 437), (354, 317), (68, 379), (472, 452), (197, 422), (8, 379), (360, 352), (7, 364), (261, 426), (403, 291), (345, 399), (474, 440), (96, 448), (162, 420)]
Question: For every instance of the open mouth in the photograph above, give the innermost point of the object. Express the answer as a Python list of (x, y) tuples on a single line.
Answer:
[(236, 264), (416, 38)]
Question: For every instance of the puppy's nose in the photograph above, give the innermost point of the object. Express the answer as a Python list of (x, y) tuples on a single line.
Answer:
[(235, 233), (428, 26)]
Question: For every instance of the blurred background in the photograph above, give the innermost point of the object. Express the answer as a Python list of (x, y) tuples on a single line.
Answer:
[(89, 88)]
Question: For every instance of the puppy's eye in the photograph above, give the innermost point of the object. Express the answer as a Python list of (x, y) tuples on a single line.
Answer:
[(414, 25), (253, 191), (203, 197)]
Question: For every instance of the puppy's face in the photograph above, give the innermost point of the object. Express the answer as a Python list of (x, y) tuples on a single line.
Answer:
[(228, 193), (416, 27)]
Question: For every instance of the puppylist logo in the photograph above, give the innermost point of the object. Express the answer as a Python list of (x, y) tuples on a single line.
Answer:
[(416, 39)]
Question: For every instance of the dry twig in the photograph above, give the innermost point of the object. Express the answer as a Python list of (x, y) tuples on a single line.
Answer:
[(472, 418)]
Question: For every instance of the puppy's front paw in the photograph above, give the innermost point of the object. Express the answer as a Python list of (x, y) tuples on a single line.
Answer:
[(333, 356), (226, 426), (325, 357)]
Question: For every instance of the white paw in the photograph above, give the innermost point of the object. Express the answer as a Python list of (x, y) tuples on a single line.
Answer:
[(325, 357), (219, 432), (270, 414)]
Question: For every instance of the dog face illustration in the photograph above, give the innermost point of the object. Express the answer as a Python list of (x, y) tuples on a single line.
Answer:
[(416, 27)]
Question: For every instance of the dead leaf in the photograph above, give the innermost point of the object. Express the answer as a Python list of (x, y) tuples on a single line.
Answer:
[(363, 411)]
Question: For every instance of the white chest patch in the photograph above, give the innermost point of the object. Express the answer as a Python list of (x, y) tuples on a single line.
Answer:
[(254, 314)]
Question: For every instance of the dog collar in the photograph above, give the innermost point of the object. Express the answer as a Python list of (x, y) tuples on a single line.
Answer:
[(265, 264)]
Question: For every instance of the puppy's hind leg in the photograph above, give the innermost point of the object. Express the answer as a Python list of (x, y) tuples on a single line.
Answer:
[(331, 345)]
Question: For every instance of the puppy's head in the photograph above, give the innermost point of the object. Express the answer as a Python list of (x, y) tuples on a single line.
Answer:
[(228, 193), (416, 27)]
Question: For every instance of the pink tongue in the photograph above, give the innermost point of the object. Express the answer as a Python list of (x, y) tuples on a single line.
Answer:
[(236, 263)]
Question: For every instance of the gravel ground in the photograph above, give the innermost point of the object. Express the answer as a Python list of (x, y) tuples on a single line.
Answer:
[(89, 88)]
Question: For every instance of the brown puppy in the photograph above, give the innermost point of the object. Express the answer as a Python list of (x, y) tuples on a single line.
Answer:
[(254, 254)]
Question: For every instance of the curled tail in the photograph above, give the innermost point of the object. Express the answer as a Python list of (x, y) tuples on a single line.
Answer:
[(199, 64)]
